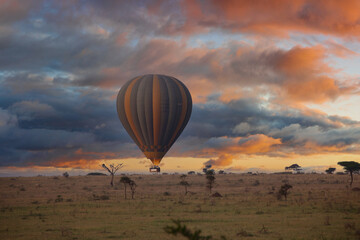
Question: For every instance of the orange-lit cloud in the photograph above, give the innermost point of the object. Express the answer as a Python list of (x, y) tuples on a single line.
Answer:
[(77, 164), (278, 17), (300, 74), (254, 144), (13, 10), (313, 147), (307, 78), (298, 60), (317, 90), (80, 159), (222, 160)]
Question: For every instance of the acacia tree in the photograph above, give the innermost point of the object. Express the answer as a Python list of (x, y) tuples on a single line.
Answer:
[(351, 167), (210, 179), (330, 170), (184, 183), (295, 167), (112, 169), (125, 180)]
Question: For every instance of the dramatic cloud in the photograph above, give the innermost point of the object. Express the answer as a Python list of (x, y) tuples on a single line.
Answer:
[(60, 124), (279, 17), (245, 127)]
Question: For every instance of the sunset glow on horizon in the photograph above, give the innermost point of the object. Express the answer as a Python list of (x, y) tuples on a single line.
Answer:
[(273, 83)]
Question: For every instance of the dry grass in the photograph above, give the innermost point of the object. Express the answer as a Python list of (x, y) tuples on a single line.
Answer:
[(318, 207)]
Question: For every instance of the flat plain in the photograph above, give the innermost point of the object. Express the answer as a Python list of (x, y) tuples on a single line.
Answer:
[(318, 206)]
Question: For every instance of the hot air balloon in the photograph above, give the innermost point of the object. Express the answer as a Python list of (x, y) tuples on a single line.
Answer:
[(154, 109)]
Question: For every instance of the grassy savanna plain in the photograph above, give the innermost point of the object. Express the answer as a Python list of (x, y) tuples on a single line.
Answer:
[(319, 206)]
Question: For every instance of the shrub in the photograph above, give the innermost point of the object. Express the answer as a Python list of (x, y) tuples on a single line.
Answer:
[(284, 191), (182, 230), (96, 174), (100, 197), (59, 199), (104, 197), (244, 233), (256, 183)]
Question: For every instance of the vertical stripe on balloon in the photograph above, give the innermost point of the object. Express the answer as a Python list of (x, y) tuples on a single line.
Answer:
[(183, 111), (171, 111), (128, 113), (156, 109), (134, 111), (148, 110), (140, 110)]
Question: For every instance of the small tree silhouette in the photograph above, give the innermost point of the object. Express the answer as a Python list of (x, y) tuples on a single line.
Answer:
[(294, 167), (351, 167), (330, 170), (210, 179), (112, 170), (133, 186), (125, 180), (284, 191), (184, 183)]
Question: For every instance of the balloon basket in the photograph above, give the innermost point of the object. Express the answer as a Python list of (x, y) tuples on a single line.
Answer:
[(154, 169)]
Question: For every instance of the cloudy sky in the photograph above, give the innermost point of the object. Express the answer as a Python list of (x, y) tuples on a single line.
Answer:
[(273, 82)]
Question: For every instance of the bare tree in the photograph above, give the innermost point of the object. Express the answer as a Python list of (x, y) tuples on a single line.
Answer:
[(210, 179), (133, 186), (184, 183), (112, 170)]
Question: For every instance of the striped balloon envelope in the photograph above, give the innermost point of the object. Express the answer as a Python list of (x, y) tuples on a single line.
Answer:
[(154, 109)]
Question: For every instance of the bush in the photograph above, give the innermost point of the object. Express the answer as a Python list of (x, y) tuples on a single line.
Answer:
[(184, 231), (96, 174), (284, 191), (59, 199), (256, 183), (104, 197), (100, 197)]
